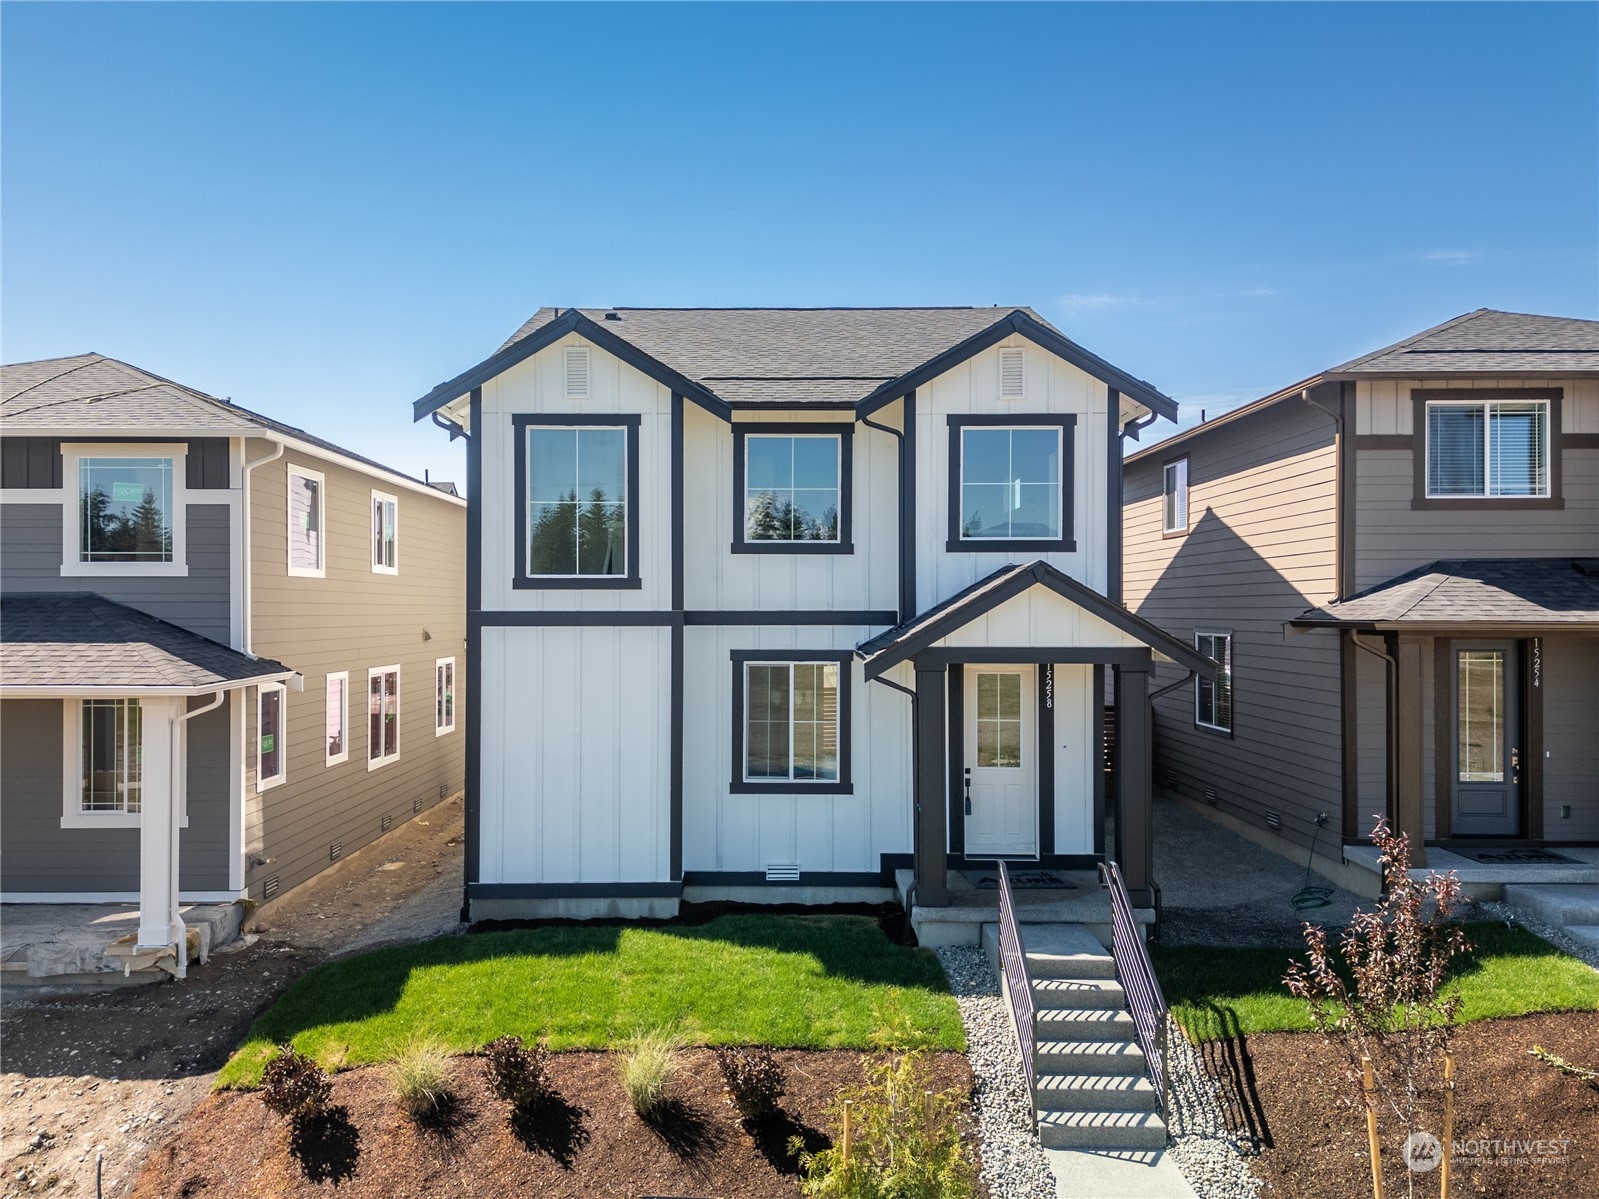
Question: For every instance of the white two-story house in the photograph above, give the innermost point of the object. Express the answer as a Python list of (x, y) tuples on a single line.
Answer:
[(771, 603)]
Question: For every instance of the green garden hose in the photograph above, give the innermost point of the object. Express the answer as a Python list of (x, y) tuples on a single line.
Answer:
[(1308, 897)]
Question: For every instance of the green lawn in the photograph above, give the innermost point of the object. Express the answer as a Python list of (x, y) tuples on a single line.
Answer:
[(1218, 992), (817, 982)]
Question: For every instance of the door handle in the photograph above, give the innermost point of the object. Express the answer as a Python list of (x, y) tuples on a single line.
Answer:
[(968, 790)]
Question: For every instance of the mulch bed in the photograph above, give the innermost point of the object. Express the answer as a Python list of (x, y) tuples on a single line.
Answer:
[(1317, 1148), (591, 1143)]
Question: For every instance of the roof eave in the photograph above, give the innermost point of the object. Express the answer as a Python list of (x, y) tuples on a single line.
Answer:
[(61, 691), (1292, 391)]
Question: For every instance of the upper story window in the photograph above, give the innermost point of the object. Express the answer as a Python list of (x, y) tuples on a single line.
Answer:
[(577, 501), (1174, 501), (1010, 483), (1213, 702), (130, 501), (1487, 448), (385, 534), (305, 510), (791, 722), (791, 489)]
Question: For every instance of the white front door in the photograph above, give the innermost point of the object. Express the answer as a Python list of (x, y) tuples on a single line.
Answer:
[(1001, 761)]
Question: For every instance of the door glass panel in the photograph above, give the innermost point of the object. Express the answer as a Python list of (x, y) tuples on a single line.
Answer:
[(999, 721), (1480, 715)]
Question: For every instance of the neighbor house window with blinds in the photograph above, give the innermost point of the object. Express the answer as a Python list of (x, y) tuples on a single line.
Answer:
[(1174, 511), (1481, 449), (1213, 702), (791, 722), (305, 523), (385, 534)]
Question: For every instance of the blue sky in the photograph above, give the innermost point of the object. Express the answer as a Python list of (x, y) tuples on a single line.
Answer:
[(321, 211)]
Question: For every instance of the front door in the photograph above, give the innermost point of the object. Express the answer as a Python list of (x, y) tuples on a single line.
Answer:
[(1487, 734), (1001, 782)]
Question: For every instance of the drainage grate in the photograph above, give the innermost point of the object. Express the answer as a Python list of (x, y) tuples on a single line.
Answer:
[(387, 822), (269, 888), (335, 851), (782, 872)]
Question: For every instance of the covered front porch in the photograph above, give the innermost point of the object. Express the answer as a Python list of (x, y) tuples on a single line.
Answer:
[(1008, 681)]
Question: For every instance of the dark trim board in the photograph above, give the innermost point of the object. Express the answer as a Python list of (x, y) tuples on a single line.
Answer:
[(1097, 734), (737, 784), (841, 617), (742, 431), (1046, 759), (472, 800), (521, 580), (1113, 495), (1532, 733), (1022, 655), (675, 763), (1066, 543), (807, 878), (957, 758), (670, 890), (1579, 441), (547, 618)]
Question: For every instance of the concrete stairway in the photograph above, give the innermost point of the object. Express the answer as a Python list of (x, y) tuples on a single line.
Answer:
[(1572, 906), (1093, 1092)]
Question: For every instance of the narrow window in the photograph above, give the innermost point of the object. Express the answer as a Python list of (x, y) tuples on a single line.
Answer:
[(383, 716), (577, 501), (125, 509), (443, 696), (271, 759), (385, 534), (338, 715), (1011, 483), (1477, 450), (305, 523), (576, 362), (1213, 702), (1012, 374), (1175, 511), (793, 487), (791, 722), (112, 760)]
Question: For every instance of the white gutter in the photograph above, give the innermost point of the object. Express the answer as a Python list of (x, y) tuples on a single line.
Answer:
[(290, 678), (244, 600), (180, 785)]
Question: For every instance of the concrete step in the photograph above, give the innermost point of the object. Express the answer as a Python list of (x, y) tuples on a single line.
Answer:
[(1095, 1093), (1101, 1130), (1078, 993), (1088, 1057), (1082, 1024), (1065, 951), (1588, 934), (1556, 903)]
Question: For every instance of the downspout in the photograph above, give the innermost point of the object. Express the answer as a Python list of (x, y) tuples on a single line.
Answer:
[(906, 608), (248, 647), (916, 791), (1391, 719), (180, 785)]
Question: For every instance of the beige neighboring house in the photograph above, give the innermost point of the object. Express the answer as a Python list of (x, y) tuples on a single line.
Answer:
[(1396, 561), (230, 651)]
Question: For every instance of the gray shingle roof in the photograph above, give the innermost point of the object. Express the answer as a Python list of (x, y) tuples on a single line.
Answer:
[(838, 353), (1486, 591), (91, 392), (77, 639), (1487, 341)]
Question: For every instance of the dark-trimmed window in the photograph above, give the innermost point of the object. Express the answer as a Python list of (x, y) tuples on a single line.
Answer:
[(1213, 702), (791, 721), (791, 489), (1010, 483), (1488, 449), (577, 481)]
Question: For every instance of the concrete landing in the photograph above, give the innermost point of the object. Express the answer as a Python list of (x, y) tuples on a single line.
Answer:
[(1082, 1174), (1084, 903), (1573, 907), (1491, 880), (72, 944)]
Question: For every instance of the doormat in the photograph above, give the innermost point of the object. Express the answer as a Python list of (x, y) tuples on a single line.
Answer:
[(1517, 857), (1020, 880)]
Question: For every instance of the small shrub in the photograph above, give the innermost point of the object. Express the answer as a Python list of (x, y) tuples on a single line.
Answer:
[(518, 1073), (420, 1080), (646, 1066), (752, 1079), (292, 1083)]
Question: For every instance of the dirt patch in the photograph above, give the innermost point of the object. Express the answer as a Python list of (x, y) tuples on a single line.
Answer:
[(1316, 1149), (589, 1142), (114, 1071)]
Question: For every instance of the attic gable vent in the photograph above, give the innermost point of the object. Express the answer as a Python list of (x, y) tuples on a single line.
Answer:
[(1012, 377), (577, 372), (782, 872)]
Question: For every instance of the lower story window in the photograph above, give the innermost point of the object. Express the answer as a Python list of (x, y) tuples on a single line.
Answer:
[(444, 696), (383, 716), (1213, 701), (791, 722), (112, 765), (271, 705)]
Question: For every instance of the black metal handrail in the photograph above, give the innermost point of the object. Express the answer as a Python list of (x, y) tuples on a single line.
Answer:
[(1145, 1002), (1013, 961)]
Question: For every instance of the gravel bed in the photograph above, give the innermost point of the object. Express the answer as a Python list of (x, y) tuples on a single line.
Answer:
[(1201, 1145), (1552, 933), (1013, 1162)]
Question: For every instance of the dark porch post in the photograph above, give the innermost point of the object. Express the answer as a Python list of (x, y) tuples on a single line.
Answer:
[(931, 835), (1134, 816), (1409, 810)]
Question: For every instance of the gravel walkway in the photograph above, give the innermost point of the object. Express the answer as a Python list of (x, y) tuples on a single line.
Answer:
[(1013, 1163)]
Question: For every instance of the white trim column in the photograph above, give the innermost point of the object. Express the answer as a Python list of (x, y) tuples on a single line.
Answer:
[(160, 926)]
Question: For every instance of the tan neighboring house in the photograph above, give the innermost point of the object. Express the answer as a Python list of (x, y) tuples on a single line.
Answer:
[(230, 651), (1397, 563)]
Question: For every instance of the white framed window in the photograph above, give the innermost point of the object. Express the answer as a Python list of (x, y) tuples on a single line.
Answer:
[(1174, 498), (443, 696), (126, 509), (791, 722), (1480, 449), (575, 361), (385, 534), (383, 716), (271, 716), (1012, 373), (305, 509), (338, 718), (104, 763), (1213, 702)]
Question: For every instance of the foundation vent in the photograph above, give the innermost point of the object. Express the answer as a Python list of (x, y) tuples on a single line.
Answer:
[(1273, 821), (335, 851), (269, 888), (444, 790), (1171, 779), (1210, 795), (387, 822), (782, 872), (416, 805)]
